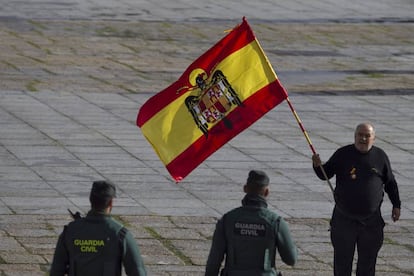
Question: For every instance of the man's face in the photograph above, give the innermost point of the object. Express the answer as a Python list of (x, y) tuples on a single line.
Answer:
[(364, 138)]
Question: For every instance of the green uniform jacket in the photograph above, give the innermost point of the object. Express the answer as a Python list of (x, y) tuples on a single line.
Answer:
[(96, 245), (249, 237)]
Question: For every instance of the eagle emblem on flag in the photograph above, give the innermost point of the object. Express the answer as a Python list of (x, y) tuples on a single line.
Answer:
[(214, 99)]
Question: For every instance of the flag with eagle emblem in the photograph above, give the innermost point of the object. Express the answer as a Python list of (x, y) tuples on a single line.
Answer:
[(219, 95)]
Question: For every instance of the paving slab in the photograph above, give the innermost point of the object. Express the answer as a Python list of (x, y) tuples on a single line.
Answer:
[(75, 72)]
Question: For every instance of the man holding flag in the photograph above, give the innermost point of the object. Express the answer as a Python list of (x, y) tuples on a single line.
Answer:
[(363, 172)]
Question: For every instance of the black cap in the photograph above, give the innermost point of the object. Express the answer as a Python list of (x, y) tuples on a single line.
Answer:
[(103, 189), (257, 179)]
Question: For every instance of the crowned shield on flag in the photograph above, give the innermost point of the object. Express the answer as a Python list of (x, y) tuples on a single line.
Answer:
[(213, 100)]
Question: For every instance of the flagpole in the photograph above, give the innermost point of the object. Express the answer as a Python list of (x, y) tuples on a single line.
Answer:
[(305, 133)]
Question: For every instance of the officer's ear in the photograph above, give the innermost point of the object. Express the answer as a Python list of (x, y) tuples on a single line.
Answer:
[(245, 189), (110, 205), (266, 192)]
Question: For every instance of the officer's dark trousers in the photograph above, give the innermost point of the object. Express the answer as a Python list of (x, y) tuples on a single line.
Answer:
[(367, 236)]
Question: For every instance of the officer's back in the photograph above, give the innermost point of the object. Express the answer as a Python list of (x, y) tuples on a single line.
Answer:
[(248, 236), (251, 232), (97, 244)]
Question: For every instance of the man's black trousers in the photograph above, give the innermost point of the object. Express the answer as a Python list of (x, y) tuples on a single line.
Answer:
[(365, 235)]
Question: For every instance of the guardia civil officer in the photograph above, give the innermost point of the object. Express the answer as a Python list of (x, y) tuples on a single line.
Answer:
[(363, 172), (97, 244), (249, 236)]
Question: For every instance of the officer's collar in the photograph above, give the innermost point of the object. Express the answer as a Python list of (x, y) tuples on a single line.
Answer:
[(97, 213), (254, 201)]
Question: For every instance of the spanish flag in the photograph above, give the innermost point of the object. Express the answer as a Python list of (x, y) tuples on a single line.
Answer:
[(219, 95)]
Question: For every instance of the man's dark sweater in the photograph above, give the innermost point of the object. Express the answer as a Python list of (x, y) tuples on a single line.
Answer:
[(361, 179)]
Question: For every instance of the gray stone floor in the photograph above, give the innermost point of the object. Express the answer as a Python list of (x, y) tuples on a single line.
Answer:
[(74, 74)]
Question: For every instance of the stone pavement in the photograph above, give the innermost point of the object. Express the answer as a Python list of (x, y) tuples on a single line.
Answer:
[(74, 74)]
